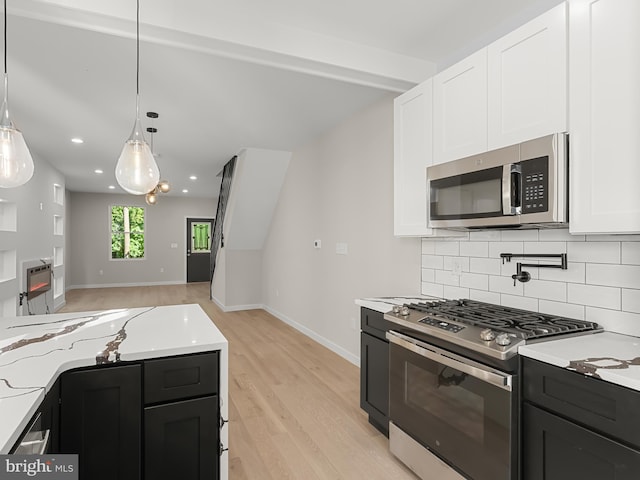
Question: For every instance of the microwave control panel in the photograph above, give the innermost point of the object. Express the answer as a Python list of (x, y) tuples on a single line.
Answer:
[(535, 185)]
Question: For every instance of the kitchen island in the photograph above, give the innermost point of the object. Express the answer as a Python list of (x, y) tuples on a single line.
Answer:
[(36, 350)]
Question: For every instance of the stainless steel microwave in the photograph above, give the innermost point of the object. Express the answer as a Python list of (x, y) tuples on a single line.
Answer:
[(520, 186)]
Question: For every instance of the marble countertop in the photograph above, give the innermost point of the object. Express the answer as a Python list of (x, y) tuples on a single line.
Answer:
[(609, 356), (385, 304), (35, 350)]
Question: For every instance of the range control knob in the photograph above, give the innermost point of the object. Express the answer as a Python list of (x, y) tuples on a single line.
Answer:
[(503, 339), (487, 334)]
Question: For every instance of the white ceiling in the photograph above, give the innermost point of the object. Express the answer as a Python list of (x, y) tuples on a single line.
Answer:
[(222, 75)]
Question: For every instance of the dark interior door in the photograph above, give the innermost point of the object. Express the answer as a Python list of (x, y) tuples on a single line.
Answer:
[(199, 233)]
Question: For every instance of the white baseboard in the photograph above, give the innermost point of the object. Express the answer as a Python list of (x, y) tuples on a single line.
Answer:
[(236, 308), (115, 285)]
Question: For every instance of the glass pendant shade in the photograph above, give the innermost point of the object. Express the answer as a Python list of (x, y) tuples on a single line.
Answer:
[(137, 171), (16, 164)]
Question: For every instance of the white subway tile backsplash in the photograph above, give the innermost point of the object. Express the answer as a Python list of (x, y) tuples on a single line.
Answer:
[(483, 296), (432, 289), (559, 235), (631, 253), (477, 281), (615, 320), (489, 235), (445, 277), (520, 235), (602, 283), (474, 249), (505, 285), (428, 275), (562, 309), (489, 266), (428, 246), (590, 252), (575, 273), (432, 261), (496, 248), (613, 238), (451, 248), (455, 292), (546, 290), (523, 303), (545, 247), (626, 276), (631, 300), (594, 296)]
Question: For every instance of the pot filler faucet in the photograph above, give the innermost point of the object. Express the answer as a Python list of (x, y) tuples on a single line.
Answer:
[(523, 276)]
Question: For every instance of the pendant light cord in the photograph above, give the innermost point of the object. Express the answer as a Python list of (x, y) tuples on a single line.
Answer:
[(5, 37), (137, 46)]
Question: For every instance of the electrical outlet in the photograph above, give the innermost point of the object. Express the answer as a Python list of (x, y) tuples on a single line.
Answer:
[(342, 248), (161, 269), (317, 244)]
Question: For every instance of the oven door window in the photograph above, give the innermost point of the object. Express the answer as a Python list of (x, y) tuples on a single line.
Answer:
[(464, 420)]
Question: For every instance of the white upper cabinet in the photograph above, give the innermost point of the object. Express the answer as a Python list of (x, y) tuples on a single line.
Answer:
[(527, 71), (412, 156), (604, 109), (460, 109)]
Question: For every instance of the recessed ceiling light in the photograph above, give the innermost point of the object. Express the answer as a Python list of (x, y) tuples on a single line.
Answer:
[(185, 190), (77, 140), (111, 187), (193, 177), (98, 171)]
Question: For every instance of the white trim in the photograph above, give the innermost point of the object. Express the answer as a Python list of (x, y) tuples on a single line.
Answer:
[(347, 355), (237, 308), (138, 284)]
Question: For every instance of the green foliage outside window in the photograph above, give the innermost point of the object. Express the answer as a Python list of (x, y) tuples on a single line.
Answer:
[(127, 232)]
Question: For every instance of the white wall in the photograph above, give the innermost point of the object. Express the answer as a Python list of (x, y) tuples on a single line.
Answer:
[(27, 234), (602, 283), (165, 223), (338, 189)]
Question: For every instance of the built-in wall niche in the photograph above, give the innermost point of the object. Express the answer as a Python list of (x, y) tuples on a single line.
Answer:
[(8, 307), (58, 225), (58, 286), (8, 216), (58, 256), (58, 194), (7, 265)]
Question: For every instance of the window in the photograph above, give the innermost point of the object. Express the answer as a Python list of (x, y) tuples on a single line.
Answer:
[(127, 232)]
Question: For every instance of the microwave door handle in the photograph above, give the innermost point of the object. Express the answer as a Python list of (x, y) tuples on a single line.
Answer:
[(511, 187)]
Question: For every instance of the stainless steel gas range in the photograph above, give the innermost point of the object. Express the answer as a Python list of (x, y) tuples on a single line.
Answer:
[(453, 385)]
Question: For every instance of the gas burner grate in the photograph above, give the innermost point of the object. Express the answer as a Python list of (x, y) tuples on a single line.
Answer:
[(522, 323)]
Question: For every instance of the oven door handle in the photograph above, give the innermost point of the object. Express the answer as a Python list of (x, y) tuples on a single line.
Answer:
[(481, 372)]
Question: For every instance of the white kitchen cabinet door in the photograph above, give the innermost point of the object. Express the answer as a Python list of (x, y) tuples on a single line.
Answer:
[(604, 113), (460, 109), (527, 72), (412, 156)]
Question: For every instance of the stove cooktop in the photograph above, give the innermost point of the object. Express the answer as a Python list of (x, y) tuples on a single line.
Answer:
[(491, 329)]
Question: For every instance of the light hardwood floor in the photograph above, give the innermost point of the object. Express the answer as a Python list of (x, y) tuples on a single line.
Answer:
[(294, 405)]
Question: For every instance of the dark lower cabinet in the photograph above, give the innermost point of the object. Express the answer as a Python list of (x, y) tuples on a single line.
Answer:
[(374, 369), (154, 420), (577, 426), (182, 440), (101, 418), (557, 449)]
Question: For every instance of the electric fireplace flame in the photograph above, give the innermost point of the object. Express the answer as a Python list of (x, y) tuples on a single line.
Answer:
[(38, 280)]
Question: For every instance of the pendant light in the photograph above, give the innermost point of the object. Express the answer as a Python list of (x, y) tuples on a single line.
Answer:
[(16, 164), (136, 170), (163, 186)]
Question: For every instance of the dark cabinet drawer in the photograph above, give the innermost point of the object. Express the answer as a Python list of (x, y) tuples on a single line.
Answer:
[(176, 378), (556, 449), (602, 406), (373, 322)]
